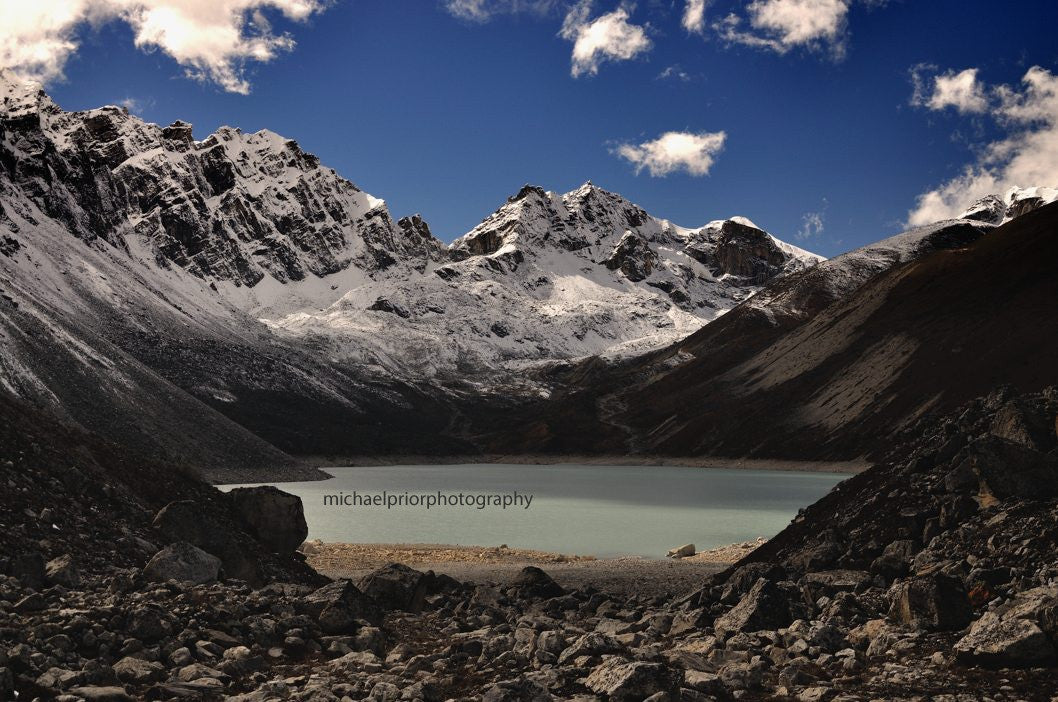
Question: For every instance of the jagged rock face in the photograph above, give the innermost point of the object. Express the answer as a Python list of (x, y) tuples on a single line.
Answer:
[(1015, 202), (550, 276), (747, 252), (633, 257), (233, 207)]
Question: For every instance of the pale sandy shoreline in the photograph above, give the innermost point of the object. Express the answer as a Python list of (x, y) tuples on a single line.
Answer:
[(846, 467), (499, 564)]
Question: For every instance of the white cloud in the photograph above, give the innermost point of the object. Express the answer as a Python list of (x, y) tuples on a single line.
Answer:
[(675, 151), (211, 39), (960, 90), (609, 37), (694, 16), (782, 25), (811, 226), (1026, 156), (485, 10)]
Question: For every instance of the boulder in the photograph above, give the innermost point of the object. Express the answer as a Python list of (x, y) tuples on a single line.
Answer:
[(827, 583), (622, 681), (517, 690), (933, 602), (275, 517), (765, 606), (1005, 642), (1008, 469), (591, 644), (184, 521), (94, 693), (183, 562), (744, 577), (149, 623), (396, 586), (890, 566), (533, 582), (339, 606), (29, 569), (1017, 421), (63, 571), (137, 671), (681, 551)]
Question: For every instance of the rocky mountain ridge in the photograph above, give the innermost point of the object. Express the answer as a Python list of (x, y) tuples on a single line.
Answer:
[(830, 360), (281, 238)]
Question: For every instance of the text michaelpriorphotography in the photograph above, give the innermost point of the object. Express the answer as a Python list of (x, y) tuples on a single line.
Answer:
[(429, 500)]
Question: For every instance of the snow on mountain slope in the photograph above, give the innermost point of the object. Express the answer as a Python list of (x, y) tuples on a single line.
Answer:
[(1000, 209), (548, 277), (252, 223), (838, 277)]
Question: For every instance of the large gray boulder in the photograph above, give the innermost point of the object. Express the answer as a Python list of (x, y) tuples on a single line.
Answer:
[(533, 582), (622, 681), (1020, 634), (1005, 642), (765, 606), (1009, 469), (102, 693), (275, 517), (339, 607), (396, 586), (931, 602), (183, 562), (184, 521)]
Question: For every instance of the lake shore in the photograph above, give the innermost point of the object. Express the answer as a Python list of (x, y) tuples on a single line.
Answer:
[(499, 564), (312, 468), (847, 467)]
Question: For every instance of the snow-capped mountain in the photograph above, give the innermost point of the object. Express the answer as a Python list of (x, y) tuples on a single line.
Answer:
[(154, 287), (1000, 209), (273, 234), (548, 277)]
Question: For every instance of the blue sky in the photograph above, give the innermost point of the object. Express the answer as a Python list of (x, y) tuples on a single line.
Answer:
[(448, 115)]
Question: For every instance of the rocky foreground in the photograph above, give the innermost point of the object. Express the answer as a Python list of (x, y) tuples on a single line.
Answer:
[(932, 576)]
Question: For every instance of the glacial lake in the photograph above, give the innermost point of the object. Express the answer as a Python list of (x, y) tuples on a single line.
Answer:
[(598, 510)]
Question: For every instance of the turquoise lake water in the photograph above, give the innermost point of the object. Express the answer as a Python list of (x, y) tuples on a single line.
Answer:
[(575, 509)]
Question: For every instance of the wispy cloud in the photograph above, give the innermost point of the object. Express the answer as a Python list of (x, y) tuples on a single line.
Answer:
[(212, 39), (136, 105), (1026, 156), (694, 16), (675, 72), (812, 225), (675, 151), (608, 37), (485, 10)]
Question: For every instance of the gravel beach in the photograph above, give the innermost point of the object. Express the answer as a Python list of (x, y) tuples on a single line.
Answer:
[(500, 565)]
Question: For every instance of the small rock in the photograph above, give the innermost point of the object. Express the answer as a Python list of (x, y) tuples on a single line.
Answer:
[(681, 551)]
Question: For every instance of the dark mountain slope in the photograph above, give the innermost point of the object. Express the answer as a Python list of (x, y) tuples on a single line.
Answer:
[(69, 492), (826, 379)]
